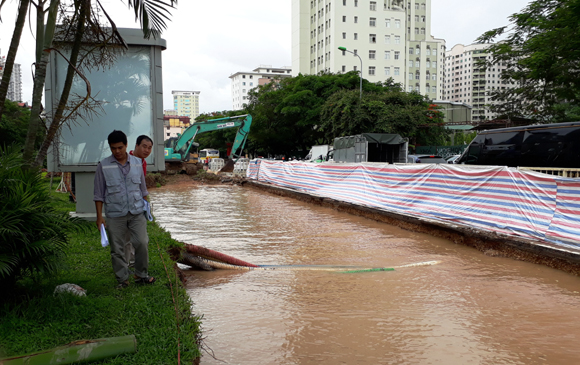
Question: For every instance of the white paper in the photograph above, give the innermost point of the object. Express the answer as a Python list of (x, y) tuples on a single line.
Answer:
[(104, 239)]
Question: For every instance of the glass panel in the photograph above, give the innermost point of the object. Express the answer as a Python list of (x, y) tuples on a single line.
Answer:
[(125, 91)]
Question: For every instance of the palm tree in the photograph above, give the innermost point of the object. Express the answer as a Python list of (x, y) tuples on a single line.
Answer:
[(151, 14)]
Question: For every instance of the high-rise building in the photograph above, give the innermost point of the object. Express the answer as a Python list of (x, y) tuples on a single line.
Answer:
[(467, 81), (242, 82), (186, 103), (15, 85), (391, 37)]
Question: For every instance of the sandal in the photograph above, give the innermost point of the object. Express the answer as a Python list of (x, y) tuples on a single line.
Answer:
[(146, 280), (123, 284)]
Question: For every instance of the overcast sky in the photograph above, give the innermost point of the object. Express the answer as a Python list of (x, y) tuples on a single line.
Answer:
[(207, 41)]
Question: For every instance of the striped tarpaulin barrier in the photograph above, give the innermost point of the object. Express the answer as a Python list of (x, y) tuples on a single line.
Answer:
[(505, 200)]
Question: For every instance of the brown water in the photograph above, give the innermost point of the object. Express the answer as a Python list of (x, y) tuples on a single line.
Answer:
[(468, 309)]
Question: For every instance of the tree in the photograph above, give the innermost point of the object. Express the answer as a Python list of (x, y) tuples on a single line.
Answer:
[(14, 125), (392, 111), (542, 57), (286, 112), (150, 13)]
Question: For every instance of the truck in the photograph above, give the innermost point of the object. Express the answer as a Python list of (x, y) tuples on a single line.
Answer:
[(554, 145), (178, 150), (318, 153)]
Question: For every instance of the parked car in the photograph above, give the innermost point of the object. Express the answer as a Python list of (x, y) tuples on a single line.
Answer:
[(425, 159), (453, 159)]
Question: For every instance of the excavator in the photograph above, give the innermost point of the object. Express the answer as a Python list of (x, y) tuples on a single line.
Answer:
[(177, 149)]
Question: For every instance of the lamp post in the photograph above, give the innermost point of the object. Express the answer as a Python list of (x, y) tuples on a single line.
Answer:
[(361, 66)]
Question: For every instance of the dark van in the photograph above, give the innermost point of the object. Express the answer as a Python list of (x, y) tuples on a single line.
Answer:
[(545, 145)]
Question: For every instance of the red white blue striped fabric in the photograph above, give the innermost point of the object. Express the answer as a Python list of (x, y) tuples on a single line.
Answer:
[(518, 203)]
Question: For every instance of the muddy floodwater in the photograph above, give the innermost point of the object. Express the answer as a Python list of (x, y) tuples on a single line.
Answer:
[(467, 309)]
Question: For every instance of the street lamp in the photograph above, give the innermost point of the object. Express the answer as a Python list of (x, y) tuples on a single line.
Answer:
[(361, 67)]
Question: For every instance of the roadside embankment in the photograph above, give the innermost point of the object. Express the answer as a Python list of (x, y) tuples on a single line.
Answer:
[(525, 216), (33, 319)]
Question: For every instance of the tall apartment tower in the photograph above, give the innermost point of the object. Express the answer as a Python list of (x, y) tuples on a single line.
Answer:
[(186, 103), (392, 37), (467, 82), (242, 82), (15, 84)]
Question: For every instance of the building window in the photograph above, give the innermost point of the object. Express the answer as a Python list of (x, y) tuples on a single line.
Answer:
[(372, 54), (417, 76), (371, 70), (344, 18), (343, 53), (433, 89), (423, 6), (387, 71), (355, 3), (251, 84), (411, 50), (354, 68), (410, 63), (434, 52), (344, 2), (356, 19), (387, 55), (243, 76), (244, 83), (417, 50), (355, 36), (422, 18), (410, 76), (397, 55), (343, 68), (427, 64), (417, 63), (373, 22), (397, 71), (343, 35), (388, 23), (373, 6), (416, 18), (373, 38), (397, 23), (355, 51), (417, 6), (434, 77), (434, 64), (387, 39), (397, 39), (416, 30), (428, 51), (422, 30)]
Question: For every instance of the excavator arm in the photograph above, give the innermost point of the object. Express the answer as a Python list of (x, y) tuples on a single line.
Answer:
[(184, 142)]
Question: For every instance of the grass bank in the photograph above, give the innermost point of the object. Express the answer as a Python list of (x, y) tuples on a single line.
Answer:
[(33, 319)]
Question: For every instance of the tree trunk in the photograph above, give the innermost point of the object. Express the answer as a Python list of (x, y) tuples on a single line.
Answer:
[(56, 122), (11, 57), (43, 43)]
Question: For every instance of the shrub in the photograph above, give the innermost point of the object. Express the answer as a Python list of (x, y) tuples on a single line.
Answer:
[(32, 233)]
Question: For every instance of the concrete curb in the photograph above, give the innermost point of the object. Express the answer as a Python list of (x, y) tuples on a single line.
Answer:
[(490, 243)]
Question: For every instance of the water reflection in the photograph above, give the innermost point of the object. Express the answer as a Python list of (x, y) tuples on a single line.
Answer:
[(469, 309)]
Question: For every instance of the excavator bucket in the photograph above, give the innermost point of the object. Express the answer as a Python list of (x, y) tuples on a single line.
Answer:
[(228, 166)]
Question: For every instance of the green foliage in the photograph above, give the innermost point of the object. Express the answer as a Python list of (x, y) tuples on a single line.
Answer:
[(541, 55), (287, 113), (33, 235), (14, 125), (32, 319), (390, 111), (206, 176)]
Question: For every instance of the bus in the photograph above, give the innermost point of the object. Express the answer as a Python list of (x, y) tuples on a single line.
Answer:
[(207, 154), (544, 145)]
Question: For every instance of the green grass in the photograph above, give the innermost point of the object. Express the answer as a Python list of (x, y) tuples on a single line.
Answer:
[(32, 319)]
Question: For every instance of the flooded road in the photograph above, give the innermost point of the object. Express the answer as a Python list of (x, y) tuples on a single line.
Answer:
[(468, 309)]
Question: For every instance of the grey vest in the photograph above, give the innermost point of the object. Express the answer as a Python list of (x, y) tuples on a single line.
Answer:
[(123, 193)]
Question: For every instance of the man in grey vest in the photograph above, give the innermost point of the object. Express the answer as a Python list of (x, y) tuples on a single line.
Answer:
[(120, 187)]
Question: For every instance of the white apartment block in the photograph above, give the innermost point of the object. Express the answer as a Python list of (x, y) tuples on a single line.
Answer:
[(15, 84), (467, 82), (392, 38), (242, 82), (186, 103)]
